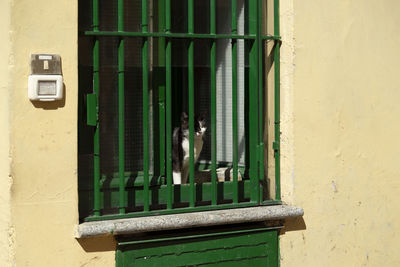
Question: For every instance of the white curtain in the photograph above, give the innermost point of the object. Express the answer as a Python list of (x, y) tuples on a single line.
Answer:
[(224, 86)]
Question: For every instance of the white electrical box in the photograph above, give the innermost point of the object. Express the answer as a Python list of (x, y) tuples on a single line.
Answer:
[(46, 81), (45, 87)]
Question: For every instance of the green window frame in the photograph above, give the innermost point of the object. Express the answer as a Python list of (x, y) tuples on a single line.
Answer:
[(147, 192)]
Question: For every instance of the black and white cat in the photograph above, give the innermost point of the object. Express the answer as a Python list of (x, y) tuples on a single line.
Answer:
[(180, 147)]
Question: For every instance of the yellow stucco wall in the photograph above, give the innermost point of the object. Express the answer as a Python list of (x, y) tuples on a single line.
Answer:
[(345, 168), (5, 180), (340, 131), (44, 143)]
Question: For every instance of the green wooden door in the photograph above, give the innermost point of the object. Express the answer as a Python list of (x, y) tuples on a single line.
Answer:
[(248, 247)]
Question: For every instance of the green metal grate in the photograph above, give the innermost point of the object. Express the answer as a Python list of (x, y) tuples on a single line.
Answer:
[(162, 197)]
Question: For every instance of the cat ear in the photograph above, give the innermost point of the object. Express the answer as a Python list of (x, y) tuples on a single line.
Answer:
[(184, 117), (200, 117)]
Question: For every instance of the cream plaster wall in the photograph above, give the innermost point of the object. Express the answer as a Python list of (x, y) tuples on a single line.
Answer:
[(345, 103), (340, 131), (5, 179), (43, 143)]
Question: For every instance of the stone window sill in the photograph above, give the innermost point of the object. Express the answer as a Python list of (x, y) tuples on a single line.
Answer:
[(186, 220)]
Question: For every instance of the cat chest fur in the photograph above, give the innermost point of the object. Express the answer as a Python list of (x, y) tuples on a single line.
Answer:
[(198, 146)]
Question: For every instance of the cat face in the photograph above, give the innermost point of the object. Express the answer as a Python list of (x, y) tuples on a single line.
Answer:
[(199, 124)]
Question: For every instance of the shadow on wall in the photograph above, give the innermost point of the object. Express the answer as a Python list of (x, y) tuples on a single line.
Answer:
[(294, 224), (51, 104), (98, 244)]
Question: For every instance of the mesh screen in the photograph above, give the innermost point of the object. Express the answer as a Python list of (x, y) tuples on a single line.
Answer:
[(108, 98)]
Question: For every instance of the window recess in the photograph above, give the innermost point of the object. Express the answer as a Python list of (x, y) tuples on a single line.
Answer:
[(141, 63)]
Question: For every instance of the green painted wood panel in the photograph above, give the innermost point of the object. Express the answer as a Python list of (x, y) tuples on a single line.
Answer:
[(256, 247)]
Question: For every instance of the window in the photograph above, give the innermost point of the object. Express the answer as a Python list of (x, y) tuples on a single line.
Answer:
[(141, 63)]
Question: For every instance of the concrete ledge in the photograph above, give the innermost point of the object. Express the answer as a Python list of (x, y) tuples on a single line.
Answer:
[(186, 220)]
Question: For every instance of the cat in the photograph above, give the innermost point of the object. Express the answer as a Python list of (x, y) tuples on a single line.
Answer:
[(180, 147)]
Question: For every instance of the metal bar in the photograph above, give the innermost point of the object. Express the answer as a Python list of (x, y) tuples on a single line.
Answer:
[(178, 35), (145, 109), (234, 106), (277, 104), (253, 103), (270, 202), (213, 84), (234, 17), (95, 15), (161, 91), (270, 37), (168, 99), (172, 211), (121, 110), (191, 102), (260, 100), (96, 89)]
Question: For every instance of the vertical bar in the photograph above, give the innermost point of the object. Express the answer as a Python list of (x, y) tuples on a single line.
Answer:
[(121, 110), (96, 89), (234, 106), (168, 103), (191, 102), (260, 99), (161, 88), (253, 103), (277, 103), (213, 81), (145, 109)]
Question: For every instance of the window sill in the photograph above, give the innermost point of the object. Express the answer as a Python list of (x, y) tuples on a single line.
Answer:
[(186, 220)]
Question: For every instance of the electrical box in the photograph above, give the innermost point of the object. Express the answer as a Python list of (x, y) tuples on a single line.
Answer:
[(45, 82)]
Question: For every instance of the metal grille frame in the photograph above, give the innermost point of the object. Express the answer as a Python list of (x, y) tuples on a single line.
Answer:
[(255, 40)]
